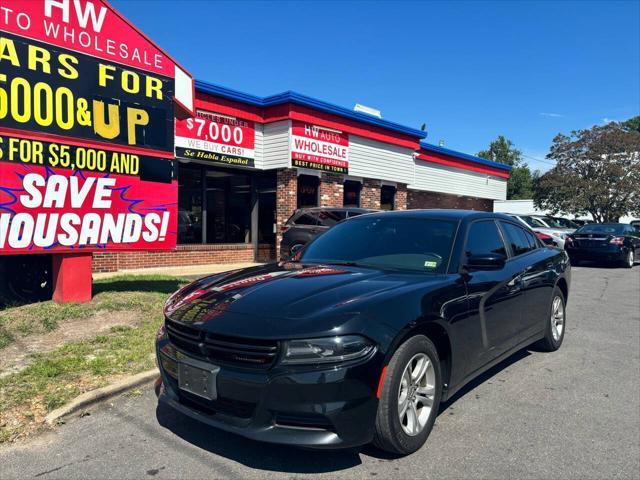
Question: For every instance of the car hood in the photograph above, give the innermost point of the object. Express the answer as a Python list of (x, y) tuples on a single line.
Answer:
[(288, 298)]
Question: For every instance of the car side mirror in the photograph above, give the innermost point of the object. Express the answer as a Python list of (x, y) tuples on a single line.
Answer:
[(486, 261)]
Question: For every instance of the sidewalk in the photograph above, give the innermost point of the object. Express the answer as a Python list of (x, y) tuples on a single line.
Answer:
[(184, 271)]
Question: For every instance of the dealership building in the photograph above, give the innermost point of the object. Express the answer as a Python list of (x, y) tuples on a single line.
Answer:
[(245, 163)]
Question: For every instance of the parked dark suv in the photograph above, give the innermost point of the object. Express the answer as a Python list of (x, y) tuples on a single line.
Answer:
[(307, 223)]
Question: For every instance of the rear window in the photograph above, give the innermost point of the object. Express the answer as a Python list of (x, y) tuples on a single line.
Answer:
[(306, 219), (533, 222), (328, 218), (606, 229)]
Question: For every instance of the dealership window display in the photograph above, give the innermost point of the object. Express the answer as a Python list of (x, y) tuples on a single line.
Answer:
[(308, 191), (387, 197), (352, 193), (214, 205)]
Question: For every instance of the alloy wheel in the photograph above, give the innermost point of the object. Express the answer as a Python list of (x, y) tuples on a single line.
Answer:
[(630, 258), (416, 394), (557, 318)]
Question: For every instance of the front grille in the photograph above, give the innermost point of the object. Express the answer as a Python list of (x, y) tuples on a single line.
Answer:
[(222, 349)]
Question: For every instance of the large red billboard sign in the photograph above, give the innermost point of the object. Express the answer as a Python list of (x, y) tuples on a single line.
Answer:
[(319, 148), (87, 107), (103, 205), (216, 138)]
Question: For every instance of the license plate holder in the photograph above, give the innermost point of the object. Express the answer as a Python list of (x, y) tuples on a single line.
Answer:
[(197, 377)]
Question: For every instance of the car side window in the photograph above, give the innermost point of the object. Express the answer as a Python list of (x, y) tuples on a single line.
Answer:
[(518, 239), (533, 240), (307, 219), (328, 218), (484, 238)]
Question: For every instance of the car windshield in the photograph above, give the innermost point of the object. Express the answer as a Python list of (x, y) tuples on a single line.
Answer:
[(406, 243), (553, 222), (566, 223), (533, 222), (607, 229)]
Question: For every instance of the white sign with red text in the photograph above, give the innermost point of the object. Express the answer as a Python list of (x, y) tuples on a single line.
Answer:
[(319, 148), (217, 138)]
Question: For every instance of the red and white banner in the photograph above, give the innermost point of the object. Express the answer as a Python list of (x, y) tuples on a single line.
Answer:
[(87, 114), (93, 27), (216, 138), (319, 148), (55, 206)]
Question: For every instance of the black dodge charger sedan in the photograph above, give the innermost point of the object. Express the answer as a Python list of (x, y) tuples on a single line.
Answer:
[(362, 336), (608, 242)]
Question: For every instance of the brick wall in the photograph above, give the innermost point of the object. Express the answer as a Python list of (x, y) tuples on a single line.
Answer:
[(286, 200), (184, 255), (421, 199), (370, 194), (331, 190), (401, 197)]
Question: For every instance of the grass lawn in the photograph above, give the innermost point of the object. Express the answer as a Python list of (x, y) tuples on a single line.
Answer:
[(55, 377)]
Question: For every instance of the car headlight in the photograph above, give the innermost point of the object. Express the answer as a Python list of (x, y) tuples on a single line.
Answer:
[(326, 350)]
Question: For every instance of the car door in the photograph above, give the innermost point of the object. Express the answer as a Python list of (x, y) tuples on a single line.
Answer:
[(494, 296), (534, 264)]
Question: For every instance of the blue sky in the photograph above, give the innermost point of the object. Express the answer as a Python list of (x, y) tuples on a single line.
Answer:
[(469, 70)]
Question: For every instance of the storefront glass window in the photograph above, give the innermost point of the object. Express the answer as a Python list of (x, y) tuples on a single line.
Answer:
[(351, 193), (387, 197), (308, 191), (190, 204), (214, 205)]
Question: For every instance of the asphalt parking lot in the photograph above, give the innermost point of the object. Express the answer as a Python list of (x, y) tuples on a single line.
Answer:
[(571, 414)]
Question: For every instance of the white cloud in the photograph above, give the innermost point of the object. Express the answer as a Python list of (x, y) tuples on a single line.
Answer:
[(551, 115), (609, 120)]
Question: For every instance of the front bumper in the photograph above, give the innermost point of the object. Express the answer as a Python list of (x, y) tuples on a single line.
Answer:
[(329, 407)]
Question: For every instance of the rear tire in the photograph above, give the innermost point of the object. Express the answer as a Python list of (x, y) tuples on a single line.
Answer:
[(409, 403), (555, 323), (629, 259)]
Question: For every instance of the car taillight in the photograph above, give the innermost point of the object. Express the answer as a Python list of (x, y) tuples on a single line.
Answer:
[(543, 236), (285, 228), (617, 240), (568, 240)]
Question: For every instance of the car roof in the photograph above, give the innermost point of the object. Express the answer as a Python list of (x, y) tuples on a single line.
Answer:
[(443, 213)]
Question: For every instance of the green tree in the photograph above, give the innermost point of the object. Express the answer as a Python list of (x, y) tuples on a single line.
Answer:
[(520, 183), (633, 124), (597, 171)]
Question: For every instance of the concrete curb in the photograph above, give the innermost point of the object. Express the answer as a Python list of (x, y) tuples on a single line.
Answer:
[(99, 395)]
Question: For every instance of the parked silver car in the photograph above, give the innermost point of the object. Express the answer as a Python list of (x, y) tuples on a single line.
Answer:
[(549, 225)]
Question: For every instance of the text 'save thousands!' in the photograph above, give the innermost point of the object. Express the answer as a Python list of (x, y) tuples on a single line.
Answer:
[(63, 197), (216, 138), (319, 148)]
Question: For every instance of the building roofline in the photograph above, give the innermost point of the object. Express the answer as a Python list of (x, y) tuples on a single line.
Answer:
[(297, 98), (464, 156)]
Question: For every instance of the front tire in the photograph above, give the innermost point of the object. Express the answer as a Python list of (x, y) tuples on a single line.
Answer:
[(555, 325), (410, 397)]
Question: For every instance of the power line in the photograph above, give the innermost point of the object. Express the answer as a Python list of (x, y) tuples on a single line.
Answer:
[(539, 159)]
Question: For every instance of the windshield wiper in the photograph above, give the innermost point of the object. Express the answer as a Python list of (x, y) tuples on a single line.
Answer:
[(342, 263)]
